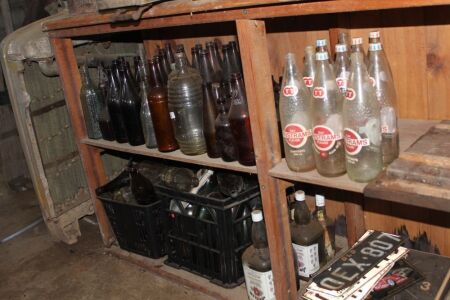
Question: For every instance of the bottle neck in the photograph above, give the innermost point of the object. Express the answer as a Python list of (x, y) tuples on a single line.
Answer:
[(85, 78), (302, 215), (321, 213), (259, 237), (154, 78), (181, 63), (359, 69), (237, 83)]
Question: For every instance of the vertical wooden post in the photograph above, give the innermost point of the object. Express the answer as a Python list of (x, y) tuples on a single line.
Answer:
[(92, 162), (258, 83)]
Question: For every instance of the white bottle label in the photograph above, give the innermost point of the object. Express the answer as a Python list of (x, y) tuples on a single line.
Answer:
[(172, 115), (307, 259), (259, 284), (354, 142), (296, 135)]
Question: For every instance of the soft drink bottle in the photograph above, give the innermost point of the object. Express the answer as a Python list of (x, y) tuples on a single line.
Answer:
[(362, 124), (322, 46), (295, 114), (342, 67), (309, 67), (381, 75), (357, 46), (327, 120)]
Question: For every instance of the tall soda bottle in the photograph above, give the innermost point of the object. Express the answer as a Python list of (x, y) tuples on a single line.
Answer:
[(295, 114), (327, 120), (309, 67), (380, 74), (256, 262), (342, 67), (307, 238), (322, 46), (357, 46), (362, 130), (320, 214)]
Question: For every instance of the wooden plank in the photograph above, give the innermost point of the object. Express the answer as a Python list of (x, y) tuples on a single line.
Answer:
[(70, 77), (261, 103), (201, 160), (98, 24)]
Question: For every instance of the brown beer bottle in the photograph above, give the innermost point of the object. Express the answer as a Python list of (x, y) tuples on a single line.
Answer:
[(224, 135), (209, 118), (160, 112)]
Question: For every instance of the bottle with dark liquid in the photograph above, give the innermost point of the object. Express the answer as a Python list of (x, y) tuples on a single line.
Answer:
[(159, 109), (90, 103), (209, 118), (214, 58), (240, 122), (320, 214), (141, 188), (115, 106), (224, 136), (195, 58), (104, 118), (229, 65), (256, 262)]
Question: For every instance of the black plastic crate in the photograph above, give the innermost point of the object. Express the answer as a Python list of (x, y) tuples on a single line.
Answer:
[(138, 228), (211, 240)]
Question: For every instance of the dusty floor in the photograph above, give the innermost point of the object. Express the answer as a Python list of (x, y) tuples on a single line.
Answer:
[(33, 266)]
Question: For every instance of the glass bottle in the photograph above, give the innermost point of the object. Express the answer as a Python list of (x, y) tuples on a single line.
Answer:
[(186, 107), (206, 69), (137, 75), (240, 122), (235, 57), (327, 120), (380, 74), (209, 119), (115, 106), (180, 49), (195, 58), (342, 67), (322, 46), (214, 58), (90, 104), (165, 62), (224, 135), (146, 115), (309, 67), (181, 179), (256, 262), (141, 188), (307, 238), (320, 214), (103, 80), (160, 68), (169, 54), (159, 109), (343, 39), (357, 46), (362, 129), (295, 115), (104, 118)]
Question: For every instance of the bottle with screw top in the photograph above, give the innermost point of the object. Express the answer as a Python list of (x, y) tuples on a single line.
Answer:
[(381, 75), (307, 238), (309, 67), (362, 130), (295, 114), (342, 67), (357, 46), (327, 120), (320, 215), (256, 262)]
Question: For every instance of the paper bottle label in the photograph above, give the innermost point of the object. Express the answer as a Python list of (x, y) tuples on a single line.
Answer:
[(307, 259), (259, 284), (354, 142), (296, 135)]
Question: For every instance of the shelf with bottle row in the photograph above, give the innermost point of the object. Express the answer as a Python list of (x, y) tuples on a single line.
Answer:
[(177, 155), (410, 131)]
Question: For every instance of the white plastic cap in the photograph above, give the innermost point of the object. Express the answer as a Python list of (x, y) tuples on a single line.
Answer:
[(357, 41), (374, 34), (322, 56), (257, 216), (341, 47), (321, 42), (299, 195), (320, 200)]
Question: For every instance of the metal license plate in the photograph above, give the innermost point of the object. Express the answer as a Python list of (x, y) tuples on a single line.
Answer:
[(359, 259)]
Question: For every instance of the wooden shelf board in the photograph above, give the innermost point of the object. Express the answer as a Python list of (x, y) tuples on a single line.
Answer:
[(202, 159), (410, 131)]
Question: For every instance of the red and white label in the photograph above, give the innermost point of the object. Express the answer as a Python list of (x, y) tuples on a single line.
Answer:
[(354, 142), (325, 138), (309, 81), (319, 92), (290, 90), (350, 94), (296, 135), (341, 82)]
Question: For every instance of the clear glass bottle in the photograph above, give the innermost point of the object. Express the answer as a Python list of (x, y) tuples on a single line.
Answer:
[(256, 262), (320, 214), (322, 46), (309, 67), (295, 114), (90, 104), (235, 57), (357, 46), (146, 115), (104, 118), (307, 238), (209, 119), (342, 67), (381, 75), (224, 135), (329, 151), (362, 129), (186, 107), (229, 65)]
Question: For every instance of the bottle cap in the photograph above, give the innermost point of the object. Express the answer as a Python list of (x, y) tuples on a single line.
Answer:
[(357, 41), (257, 216), (374, 34), (320, 200), (341, 47), (321, 42), (321, 56), (299, 195)]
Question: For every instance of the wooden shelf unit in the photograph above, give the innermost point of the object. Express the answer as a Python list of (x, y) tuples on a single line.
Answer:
[(249, 18)]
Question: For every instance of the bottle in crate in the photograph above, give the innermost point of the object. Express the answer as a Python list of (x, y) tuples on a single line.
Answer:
[(90, 103), (381, 75), (295, 115), (320, 214), (309, 67)]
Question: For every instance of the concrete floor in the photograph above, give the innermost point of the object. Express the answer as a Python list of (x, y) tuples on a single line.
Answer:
[(34, 266)]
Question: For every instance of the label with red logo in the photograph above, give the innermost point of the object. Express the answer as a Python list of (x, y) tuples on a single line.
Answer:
[(341, 83), (259, 284), (354, 142), (319, 92), (325, 138), (307, 259), (309, 81), (350, 94), (290, 90), (296, 135)]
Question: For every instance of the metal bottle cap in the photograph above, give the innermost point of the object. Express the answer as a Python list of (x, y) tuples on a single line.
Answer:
[(299, 195), (374, 34), (257, 216)]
